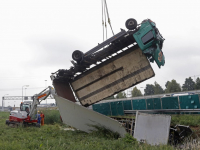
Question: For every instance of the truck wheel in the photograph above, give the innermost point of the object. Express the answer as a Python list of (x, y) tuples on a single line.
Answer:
[(131, 24), (77, 55)]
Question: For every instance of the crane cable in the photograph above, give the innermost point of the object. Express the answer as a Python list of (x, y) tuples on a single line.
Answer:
[(105, 19), (108, 17), (105, 15), (102, 19)]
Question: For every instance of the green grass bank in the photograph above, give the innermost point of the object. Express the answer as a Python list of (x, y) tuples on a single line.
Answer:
[(52, 136)]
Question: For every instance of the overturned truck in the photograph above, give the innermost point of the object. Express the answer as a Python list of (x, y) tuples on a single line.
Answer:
[(118, 63)]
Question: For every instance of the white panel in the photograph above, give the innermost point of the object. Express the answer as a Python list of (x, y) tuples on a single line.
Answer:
[(80, 117), (152, 128), (111, 77)]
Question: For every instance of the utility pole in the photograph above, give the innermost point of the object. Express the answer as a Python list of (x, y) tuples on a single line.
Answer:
[(3, 101), (22, 90)]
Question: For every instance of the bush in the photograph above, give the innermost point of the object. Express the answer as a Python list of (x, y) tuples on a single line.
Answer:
[(129, 139), (51, 116)]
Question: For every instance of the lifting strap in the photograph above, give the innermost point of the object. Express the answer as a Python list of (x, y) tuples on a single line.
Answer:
[(105, 15), (102, 19), (105, 19), (108, 17)]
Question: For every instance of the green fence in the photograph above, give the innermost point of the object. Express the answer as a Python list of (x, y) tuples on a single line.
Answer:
[(157, 103), (117, 108), (189, 102), (139, 104), (127, 105), (103, 108)]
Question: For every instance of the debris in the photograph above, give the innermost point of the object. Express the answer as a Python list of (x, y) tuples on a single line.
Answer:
[(178, 133), (83, 119), (152, 128)]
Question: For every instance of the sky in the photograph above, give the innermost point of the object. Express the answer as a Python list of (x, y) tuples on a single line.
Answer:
[(38, 37)]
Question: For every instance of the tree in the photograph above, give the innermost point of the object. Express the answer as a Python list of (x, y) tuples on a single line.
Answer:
[(197, 84), (188, 85), (158, 89), (173, 86), (149, 90), (166, 84), (136, 92), (121, 95)]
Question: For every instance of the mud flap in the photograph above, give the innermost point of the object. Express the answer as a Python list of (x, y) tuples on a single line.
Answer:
[(64, 90)]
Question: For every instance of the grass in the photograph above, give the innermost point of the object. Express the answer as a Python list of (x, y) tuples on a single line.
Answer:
[(183, 119), (51, 136), (186, 119)]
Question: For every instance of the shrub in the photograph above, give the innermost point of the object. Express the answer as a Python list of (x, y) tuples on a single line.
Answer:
[(129, 139), (51, 116)]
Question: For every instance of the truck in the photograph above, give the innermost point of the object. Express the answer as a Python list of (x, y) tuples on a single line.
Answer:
[(116, 64)]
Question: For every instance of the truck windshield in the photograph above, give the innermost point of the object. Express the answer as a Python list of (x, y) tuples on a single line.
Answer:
[(147, 37)]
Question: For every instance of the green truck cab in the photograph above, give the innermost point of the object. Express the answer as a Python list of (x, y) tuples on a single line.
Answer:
[(149, 40)]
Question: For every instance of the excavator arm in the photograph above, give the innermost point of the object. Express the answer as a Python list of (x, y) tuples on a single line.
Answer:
[(37, 98)]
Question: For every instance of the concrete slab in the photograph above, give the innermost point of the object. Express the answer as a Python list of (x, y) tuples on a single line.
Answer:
[(82, 118)]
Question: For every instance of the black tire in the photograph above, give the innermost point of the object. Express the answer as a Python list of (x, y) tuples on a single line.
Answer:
[(37, 125), (7, 122), (131, 24), (77, 55)]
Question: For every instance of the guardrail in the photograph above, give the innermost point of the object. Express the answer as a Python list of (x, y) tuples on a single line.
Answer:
[(161, 110)]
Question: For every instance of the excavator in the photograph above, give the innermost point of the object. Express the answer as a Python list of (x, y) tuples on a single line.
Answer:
[(27, 115), (116, 64)]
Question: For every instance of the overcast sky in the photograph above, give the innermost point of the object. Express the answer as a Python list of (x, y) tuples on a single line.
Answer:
[(38, 37)]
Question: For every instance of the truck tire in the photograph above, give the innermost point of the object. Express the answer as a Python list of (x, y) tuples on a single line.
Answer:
[(131, 24), (77, 55)]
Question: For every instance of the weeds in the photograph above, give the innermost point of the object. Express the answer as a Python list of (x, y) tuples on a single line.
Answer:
[(51, 116), (52, 136), (104, 132), (186, 119), (129, 139)]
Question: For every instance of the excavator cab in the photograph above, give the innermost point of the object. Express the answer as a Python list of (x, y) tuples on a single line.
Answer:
[(150, 42), (24, 106)]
